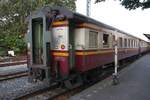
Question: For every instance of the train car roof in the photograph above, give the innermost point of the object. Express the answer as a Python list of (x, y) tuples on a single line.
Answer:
[(93, 21), (74, 15)]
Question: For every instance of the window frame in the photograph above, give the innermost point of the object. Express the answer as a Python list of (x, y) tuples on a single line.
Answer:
[(125, 43), (120, 43), (107, 44), (91, 38)]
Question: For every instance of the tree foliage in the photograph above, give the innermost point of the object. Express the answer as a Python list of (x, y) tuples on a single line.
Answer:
[(132, 4), (12, 19)]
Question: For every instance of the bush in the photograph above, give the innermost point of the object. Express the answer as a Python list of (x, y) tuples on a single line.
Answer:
[(3, 51), (14, 42)]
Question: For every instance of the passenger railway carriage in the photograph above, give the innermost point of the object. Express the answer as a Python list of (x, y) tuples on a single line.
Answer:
[(62, 43)]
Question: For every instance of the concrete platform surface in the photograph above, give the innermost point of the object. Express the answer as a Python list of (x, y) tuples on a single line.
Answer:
[(134, 84)]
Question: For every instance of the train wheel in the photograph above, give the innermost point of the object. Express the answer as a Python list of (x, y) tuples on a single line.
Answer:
[(74, 81), (68, 84)]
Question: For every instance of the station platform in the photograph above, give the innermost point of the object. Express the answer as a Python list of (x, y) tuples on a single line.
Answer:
[(134, 84)]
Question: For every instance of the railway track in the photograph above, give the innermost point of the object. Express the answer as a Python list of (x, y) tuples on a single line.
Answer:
[(56, 93), (6, 64), (13, 75)]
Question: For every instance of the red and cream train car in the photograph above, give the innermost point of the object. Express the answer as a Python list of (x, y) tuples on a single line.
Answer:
[(61, 42)]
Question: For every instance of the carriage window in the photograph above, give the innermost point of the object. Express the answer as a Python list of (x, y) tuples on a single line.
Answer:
[(129, 43), (125, 43), (113, 38), (105, 40), (93, 39), (134, 43), (120, 42)]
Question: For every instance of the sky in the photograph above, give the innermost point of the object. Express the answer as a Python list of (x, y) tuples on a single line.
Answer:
[(135, 22)]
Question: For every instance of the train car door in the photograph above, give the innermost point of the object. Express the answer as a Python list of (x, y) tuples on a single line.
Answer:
[(37, 40), (71, 44)]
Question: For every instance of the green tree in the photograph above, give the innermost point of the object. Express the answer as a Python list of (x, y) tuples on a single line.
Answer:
[(132, 4), (12, 19)]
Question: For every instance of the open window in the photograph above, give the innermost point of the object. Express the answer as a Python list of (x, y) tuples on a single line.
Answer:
[(105, 40), (93, 39)]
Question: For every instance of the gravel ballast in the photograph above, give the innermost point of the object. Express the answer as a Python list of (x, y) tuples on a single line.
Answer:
[(13, 88)]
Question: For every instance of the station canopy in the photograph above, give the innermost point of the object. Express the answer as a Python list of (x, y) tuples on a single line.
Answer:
[(148, 36)]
